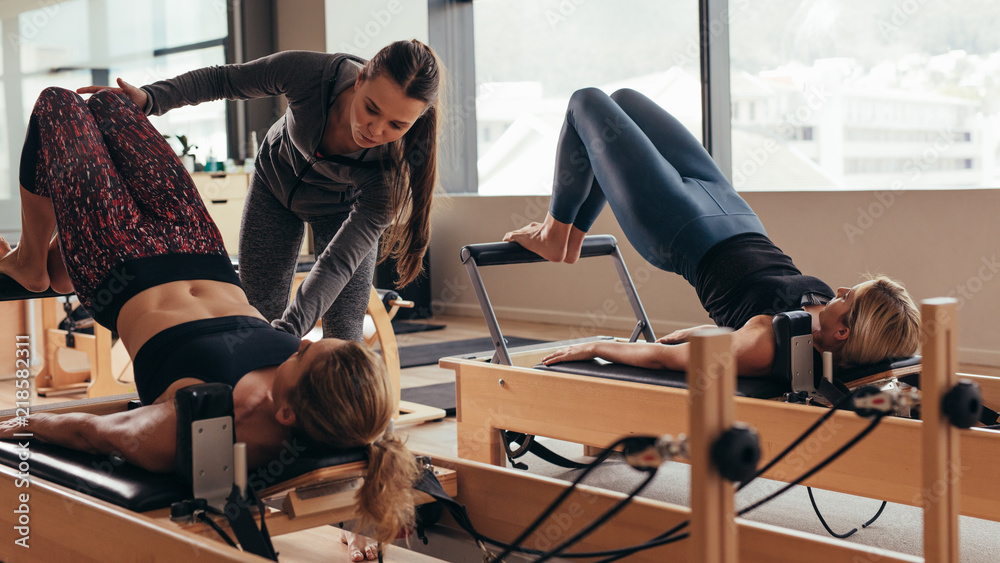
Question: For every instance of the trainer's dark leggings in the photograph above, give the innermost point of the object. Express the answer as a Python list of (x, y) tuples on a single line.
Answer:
[(118, 190), (671, 200)]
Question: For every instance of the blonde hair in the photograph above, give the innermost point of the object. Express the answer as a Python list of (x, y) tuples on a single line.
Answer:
[(344, 400), (884, 323)]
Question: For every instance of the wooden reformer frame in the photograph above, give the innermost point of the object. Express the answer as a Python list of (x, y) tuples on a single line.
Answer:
[(68, 524), (505, 393)]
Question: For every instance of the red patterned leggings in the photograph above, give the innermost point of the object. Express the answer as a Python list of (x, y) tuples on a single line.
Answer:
[(118, 190)]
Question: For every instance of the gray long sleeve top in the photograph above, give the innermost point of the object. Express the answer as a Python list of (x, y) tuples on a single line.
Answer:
[(288, 165)]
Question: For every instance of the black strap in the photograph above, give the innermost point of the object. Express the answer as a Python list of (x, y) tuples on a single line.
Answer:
[(427, 483), (989, 417), (834, 392), (530, 445), (250, 538), (70, 324)]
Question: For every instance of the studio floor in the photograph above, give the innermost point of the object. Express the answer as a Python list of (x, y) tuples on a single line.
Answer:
[(437, 437)]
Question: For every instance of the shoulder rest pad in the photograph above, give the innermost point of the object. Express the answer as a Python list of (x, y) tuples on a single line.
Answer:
[(786, 326), (198, 402)]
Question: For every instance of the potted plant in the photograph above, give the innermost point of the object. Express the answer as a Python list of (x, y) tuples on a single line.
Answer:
[(186, 157)]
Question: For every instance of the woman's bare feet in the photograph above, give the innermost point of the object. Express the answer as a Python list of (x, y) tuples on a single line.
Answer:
[(548, 239), (574, 245), (359, 547), (25, 270), (58, 276)]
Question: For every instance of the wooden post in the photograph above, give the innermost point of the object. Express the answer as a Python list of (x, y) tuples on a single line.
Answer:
[(940, 492), (407, 412), (711, 384)]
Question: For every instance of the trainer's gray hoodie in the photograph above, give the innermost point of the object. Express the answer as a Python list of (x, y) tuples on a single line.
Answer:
[(287, 163)]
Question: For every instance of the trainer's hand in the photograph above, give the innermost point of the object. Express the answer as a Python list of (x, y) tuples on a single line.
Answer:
[(137, 95), (573, 353)]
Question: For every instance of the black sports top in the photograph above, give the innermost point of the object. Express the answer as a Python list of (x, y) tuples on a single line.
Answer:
[(220, 350), (747, 275)]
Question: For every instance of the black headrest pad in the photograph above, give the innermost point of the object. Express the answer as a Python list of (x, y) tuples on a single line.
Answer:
[(847, 375), (786, 326), (757, 387), (198, 402), (118, 482), (101, 476)]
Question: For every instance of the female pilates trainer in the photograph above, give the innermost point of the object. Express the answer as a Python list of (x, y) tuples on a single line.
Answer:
[(681, 214), (146, 260), (354, 153)]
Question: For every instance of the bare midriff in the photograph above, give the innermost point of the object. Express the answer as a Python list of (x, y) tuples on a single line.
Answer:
[(159, 308)]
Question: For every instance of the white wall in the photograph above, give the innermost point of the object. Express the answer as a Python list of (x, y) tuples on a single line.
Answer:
[(300, 25), (938, 243), (362, 28)]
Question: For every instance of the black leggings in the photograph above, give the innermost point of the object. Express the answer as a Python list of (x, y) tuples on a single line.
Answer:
[(671, 200)]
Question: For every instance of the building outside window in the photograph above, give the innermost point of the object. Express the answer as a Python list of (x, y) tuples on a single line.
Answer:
[(531, 55), (894, 94)]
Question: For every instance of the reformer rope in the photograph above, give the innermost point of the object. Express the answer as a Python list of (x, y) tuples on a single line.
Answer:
[(670, 536)]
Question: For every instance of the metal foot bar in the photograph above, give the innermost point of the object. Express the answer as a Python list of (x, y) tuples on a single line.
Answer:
[(502, 253)]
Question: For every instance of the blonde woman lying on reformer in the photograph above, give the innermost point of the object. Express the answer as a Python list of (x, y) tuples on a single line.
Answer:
[(681, 214)]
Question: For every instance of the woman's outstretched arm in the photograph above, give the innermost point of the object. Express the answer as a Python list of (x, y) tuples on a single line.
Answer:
[(145, 437), (753, 347)]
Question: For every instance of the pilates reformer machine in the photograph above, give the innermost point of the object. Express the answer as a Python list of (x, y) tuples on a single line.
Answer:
[(90, 507), (510, 395)]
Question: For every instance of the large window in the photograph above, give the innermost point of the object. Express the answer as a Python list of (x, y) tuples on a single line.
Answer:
[(531, 55), (875, 94), (76, 43)]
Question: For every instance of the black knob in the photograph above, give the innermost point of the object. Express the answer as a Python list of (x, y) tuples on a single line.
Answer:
[(180, 510), (736, 453), (963, 404)]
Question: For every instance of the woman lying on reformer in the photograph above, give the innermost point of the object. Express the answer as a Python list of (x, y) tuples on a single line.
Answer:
[(146, 260), (682, 215)]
